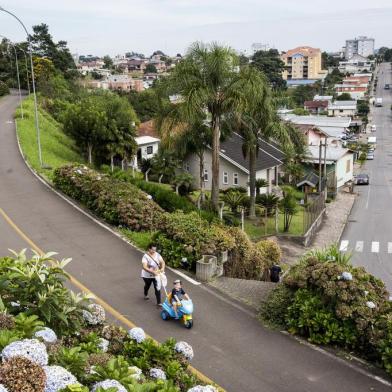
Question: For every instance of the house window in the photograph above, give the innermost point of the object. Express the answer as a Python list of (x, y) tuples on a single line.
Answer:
[(348, 166), (225, 178), (235, 178), (205, 175), (149, 150)]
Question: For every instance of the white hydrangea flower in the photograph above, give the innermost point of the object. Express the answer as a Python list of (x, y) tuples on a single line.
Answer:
[(15, 304), (106, 384), (47, 335), (95, 314), (201, 388), (3, 388), (58, 378), (103, 344), (347, 276), (159, 374), (31, 349), (136, 372), (79, 171), (185, 349), (370, 304), (137, 334)]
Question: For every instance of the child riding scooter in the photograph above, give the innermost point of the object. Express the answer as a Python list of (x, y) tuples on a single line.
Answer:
[(178, 305)]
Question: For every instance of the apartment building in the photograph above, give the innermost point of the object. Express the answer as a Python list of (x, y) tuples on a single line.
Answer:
[(303, 62), (363, 46)]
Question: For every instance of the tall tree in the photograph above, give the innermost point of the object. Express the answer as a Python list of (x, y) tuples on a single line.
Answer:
[(259, 121), (108, 62), (269, 62), (44, 46), (208, 81)]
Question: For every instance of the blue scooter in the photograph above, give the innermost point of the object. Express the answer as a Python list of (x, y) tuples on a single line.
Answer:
[(184, 311)]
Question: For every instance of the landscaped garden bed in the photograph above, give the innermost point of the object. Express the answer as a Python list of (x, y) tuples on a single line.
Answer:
[(52, 340), (330, 302)]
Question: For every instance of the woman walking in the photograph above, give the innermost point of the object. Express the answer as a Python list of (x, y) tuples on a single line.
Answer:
[(153, 265)]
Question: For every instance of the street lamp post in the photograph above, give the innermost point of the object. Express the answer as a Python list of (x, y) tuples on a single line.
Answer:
[(27, 68), (17, 74), (33, 83)]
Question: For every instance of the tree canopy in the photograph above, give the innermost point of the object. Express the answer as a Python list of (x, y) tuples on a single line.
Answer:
[(269, 62)]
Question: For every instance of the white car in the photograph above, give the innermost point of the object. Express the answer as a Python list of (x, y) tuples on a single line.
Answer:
[(373, 128)]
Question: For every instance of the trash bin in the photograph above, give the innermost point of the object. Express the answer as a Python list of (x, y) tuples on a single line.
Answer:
[(206, 268)]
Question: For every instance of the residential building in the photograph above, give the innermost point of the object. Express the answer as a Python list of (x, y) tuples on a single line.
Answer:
[(147, 141), (328, 98), (316, 107), (233, 167), (343, 109), (362, 45), (339, 162), (357, 91), (356, 64), (303, 62), (124, 83)]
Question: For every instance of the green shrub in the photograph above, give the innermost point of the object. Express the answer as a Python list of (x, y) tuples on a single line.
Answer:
[(73, 359), (274, 309), (271, 251), (37, 284), (4, 90), (117, 202)]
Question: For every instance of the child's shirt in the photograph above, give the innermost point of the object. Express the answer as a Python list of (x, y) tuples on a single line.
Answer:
[(179, 293)]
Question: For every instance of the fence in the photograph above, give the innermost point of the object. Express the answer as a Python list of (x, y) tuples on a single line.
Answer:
[(313, 209)]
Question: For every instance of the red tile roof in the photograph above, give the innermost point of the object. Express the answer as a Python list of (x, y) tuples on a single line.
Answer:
[(315, 104), (147, 129)]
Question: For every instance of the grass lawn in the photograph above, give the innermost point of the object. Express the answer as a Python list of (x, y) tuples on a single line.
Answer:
[(57, 148), (139, 239), (256, 229)]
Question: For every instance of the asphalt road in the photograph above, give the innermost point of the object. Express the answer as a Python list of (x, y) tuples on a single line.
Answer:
[(230, 345), (368, 233)]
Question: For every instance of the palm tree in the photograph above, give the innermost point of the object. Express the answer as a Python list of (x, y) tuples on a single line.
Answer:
[(210, 85), (260, 121)]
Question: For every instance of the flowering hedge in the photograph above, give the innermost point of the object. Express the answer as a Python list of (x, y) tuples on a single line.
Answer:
[(333, 302), (90, 358), (117, 202)]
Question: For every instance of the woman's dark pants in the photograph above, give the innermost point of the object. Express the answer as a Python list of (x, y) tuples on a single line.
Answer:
[(147, 285)]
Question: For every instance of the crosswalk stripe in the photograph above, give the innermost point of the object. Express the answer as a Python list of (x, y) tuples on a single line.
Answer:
[(343, 246), (375, 247), (389, 247), (359, 246)]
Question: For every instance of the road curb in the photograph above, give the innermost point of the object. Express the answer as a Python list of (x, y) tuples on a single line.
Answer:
[(345, 223)]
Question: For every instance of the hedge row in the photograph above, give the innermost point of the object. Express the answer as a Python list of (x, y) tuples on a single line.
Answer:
[(116, 202), (334, 303)]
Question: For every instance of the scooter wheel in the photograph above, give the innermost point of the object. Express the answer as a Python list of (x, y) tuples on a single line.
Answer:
[(189, 324), (165, 316)]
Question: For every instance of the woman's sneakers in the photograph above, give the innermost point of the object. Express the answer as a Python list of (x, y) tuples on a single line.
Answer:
[(146, 297)]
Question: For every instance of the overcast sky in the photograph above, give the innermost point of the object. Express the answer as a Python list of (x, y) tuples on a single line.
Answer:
[(116, 26)]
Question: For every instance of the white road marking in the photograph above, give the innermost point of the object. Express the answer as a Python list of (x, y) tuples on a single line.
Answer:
[(343, 246), (368, 197), (359, 246), (375, 247), (389, 247)]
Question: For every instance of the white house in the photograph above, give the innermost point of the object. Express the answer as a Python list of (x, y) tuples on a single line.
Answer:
[(147, 142), (342, 109)]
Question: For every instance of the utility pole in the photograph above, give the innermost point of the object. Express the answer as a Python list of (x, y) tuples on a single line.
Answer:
[(325, 164), (320, 167)]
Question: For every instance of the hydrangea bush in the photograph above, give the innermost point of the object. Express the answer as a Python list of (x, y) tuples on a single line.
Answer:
[(137, 334), (95, 314), (58, 378), (185, 349), (31, 349), (158, 374), (109, 384), (329, 301), (47, 335)]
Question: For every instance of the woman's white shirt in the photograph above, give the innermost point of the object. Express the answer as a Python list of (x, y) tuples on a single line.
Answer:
[(152, 262)]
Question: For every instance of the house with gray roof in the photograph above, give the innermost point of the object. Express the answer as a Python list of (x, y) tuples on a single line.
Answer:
[(234, 167)]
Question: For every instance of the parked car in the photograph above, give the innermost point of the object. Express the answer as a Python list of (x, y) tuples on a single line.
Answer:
[(361, 179), (373, 128), (386, 87), (370, 156)]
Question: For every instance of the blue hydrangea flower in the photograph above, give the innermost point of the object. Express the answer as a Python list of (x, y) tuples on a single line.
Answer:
[(58, 378), (137, 334), (106, 384), (31, 349), (103, 344), (95, 314), (185, 349), (3, 388), (200, 388), (47, 335), (159, 374)]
